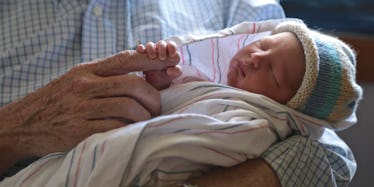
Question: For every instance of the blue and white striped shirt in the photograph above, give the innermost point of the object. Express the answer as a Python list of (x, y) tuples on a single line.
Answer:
[(42, 39)]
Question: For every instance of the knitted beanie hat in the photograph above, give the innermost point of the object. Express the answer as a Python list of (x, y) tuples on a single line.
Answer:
[(329, 90)]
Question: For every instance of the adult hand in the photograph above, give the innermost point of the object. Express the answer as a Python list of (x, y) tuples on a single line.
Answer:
[(91, 97)]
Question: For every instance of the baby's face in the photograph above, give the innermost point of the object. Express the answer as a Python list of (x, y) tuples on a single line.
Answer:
[(273, 66)]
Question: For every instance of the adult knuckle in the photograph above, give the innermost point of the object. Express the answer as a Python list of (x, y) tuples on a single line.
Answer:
[(80, 84), (122, 56), (134, 110)]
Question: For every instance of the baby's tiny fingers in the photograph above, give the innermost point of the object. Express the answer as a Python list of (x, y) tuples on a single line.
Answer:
[(172, 48), (161, 49), (151, 50), (140, 48), (174, 72)]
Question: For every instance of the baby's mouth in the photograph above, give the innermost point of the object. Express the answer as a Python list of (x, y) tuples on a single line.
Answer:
[(242, 66)]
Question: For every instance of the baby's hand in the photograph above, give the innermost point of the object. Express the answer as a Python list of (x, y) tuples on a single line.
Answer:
[(162, 50)]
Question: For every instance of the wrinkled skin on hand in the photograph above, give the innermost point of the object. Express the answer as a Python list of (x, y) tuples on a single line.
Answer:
[(92, 97)]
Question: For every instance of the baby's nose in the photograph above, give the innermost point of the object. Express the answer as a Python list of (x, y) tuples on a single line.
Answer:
[(257, 60), (248, 64), (252, 62)]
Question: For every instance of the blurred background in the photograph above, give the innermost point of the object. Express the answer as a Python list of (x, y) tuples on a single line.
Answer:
[(352, 21), (334, 15)]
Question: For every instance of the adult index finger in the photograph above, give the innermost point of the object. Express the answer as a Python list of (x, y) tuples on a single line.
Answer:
[(129, 61)]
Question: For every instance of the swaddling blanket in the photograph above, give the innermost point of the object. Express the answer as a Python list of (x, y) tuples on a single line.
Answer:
[(204, 124)]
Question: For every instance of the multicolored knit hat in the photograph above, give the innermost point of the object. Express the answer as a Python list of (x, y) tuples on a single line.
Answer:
[(329, 90)]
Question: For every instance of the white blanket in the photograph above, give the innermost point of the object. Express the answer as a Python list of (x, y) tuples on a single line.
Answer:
[(207, 124)]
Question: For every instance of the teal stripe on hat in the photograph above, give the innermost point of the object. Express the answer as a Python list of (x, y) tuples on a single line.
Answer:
[(334, 89), (327, 89)]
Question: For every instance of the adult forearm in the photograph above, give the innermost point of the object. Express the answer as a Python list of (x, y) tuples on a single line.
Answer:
[(253, 172), (8, 152), (13, 130), (7, 158)]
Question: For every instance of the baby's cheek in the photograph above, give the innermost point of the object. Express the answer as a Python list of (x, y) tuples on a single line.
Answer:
[(231, 78)]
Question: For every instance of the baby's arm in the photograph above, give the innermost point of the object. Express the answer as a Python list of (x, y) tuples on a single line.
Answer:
[(162, 50)]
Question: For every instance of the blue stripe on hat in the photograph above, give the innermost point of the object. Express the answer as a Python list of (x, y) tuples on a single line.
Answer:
[(327, 89)]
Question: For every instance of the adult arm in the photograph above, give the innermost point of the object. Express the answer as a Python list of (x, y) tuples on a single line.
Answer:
[(295, 161), (253, 172), (91, 97)]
